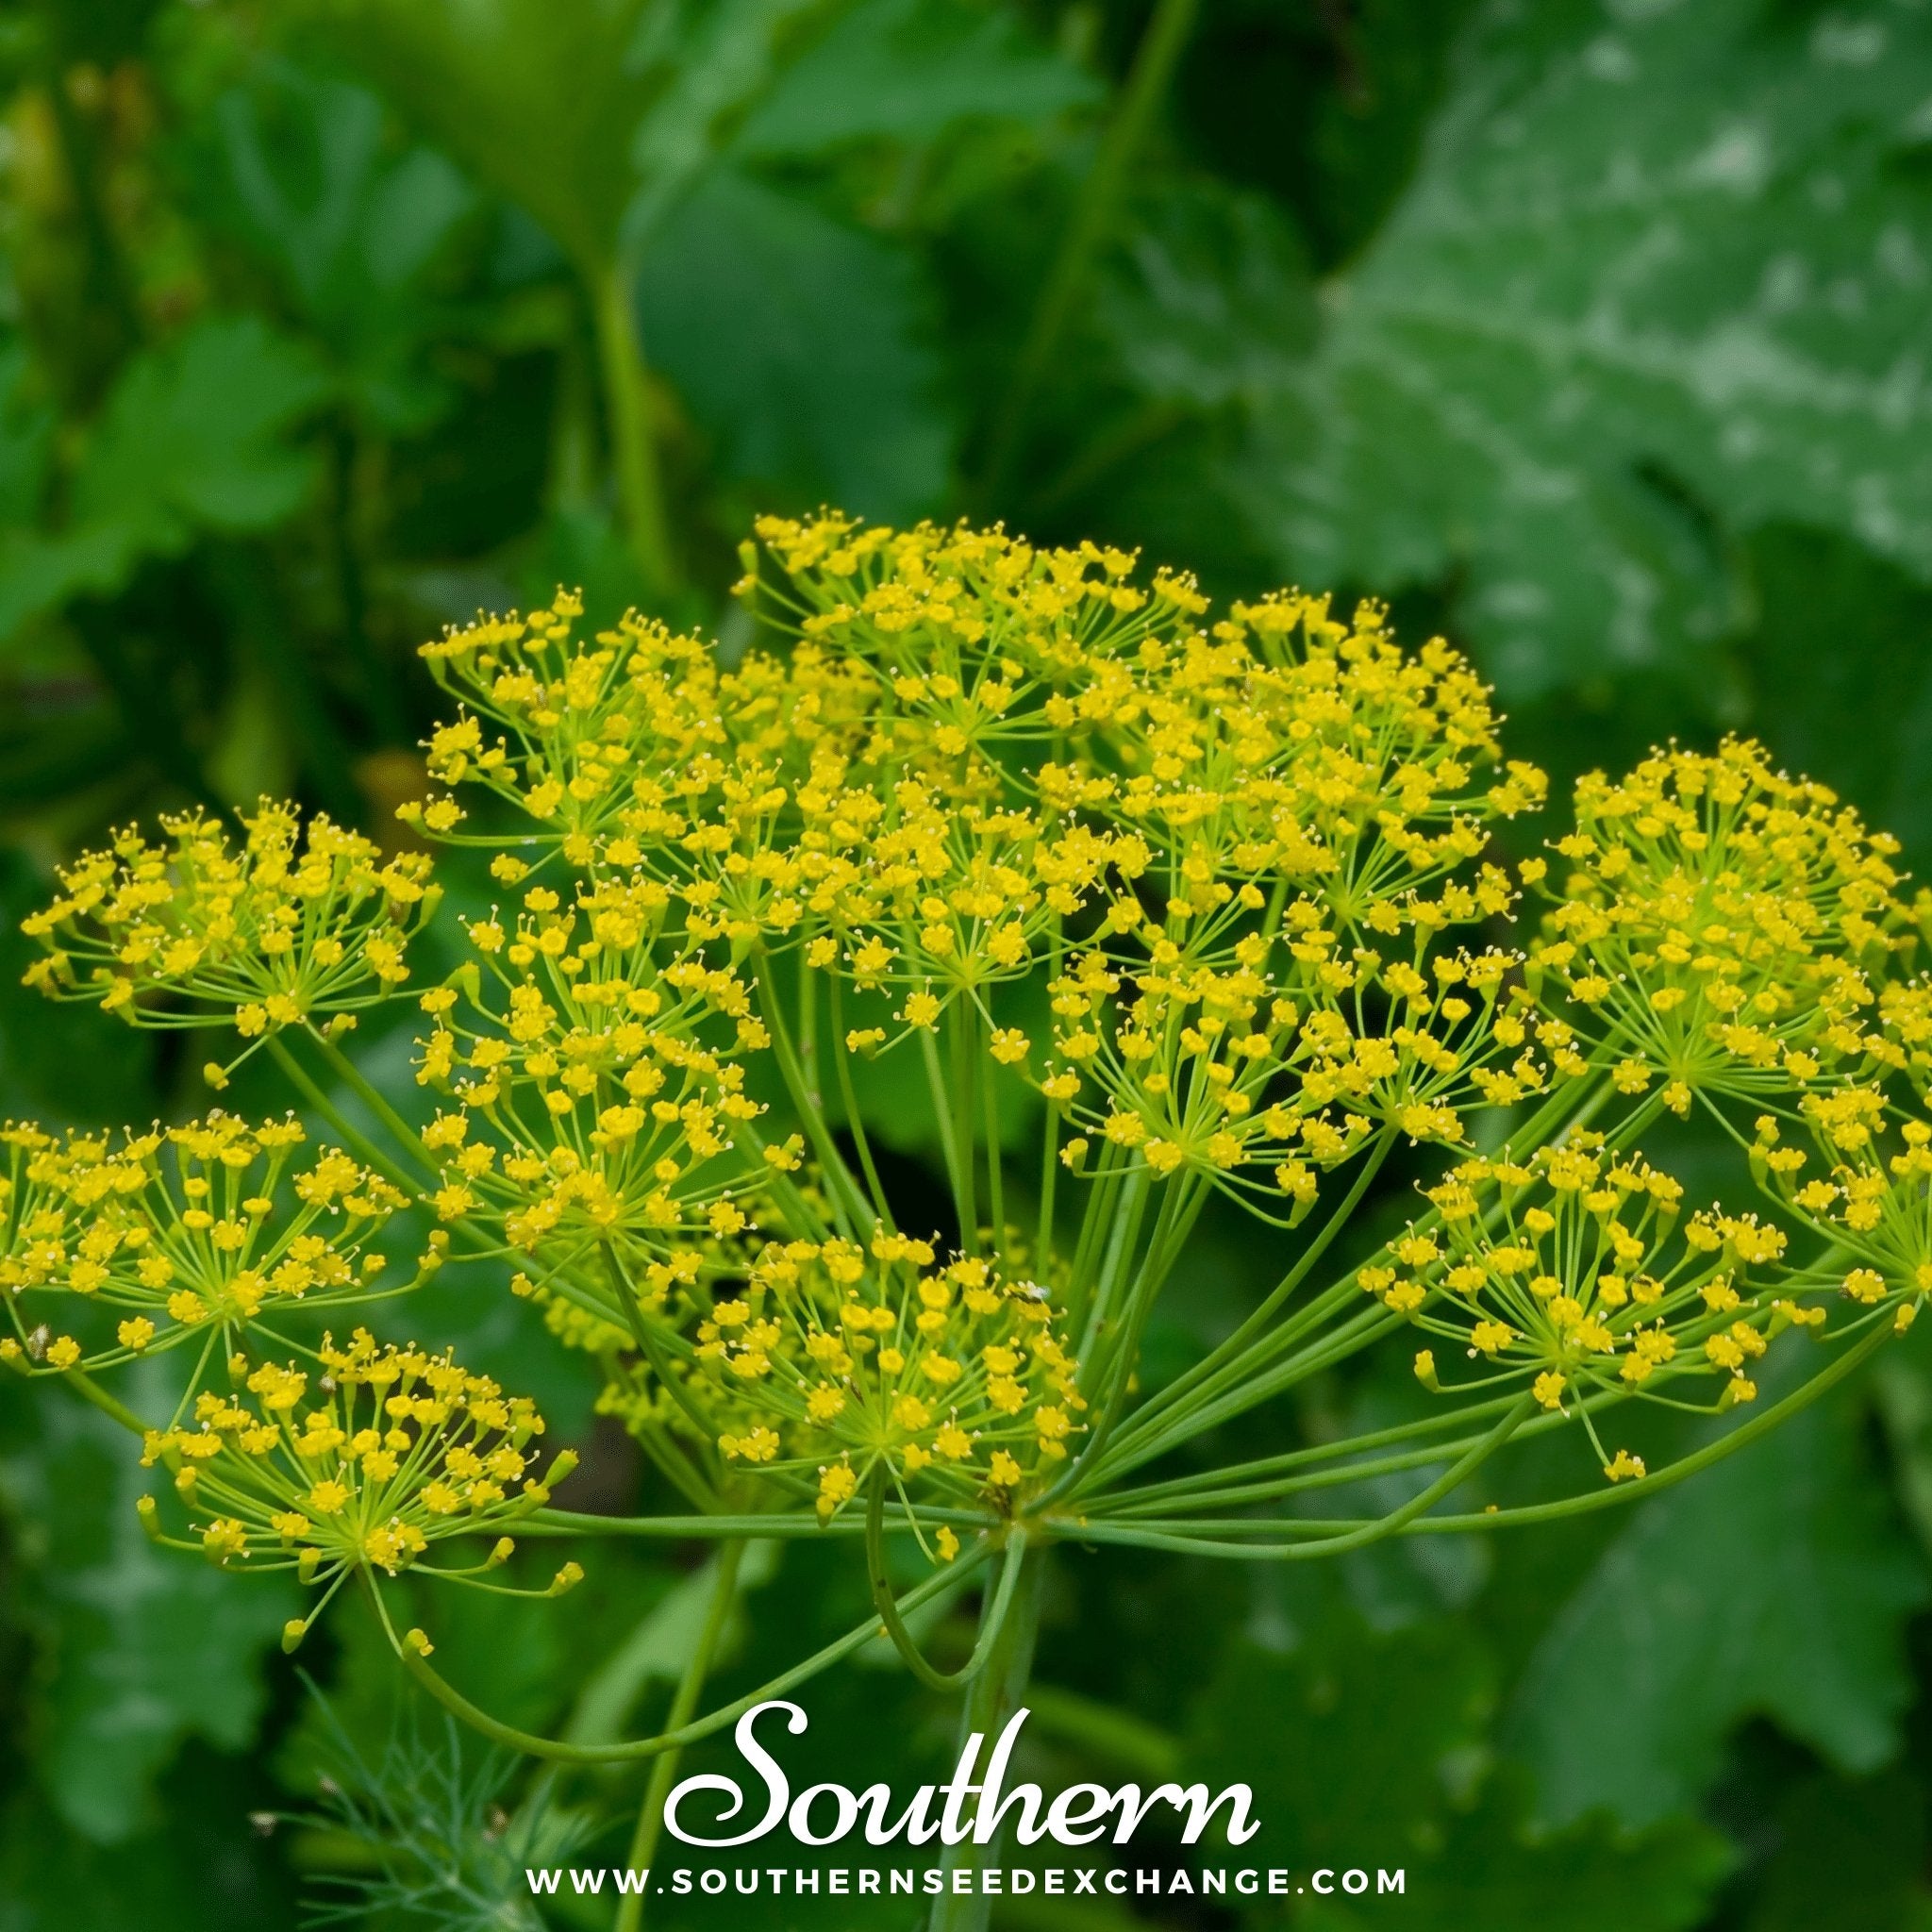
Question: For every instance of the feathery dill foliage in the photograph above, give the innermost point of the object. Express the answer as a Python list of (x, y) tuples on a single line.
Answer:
[(437, 1838), (1157, 906)]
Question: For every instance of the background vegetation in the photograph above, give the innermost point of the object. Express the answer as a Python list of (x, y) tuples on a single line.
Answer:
[(1593, 333)]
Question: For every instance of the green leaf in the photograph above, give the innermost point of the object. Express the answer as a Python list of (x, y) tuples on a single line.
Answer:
[(593, 116), (195, 436), (1371, 1750), (1351, 1743), (1213, 300), (911, 70), (800, 347), (304, 172), (142, 1647), (1776, 1584), (1661, 278), (1495, 1873)]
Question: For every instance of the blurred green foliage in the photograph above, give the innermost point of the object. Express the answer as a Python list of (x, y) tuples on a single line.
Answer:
[(1592, 332)]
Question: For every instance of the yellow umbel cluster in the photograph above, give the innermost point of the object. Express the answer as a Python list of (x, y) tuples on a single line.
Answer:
[(1118, 911), (384, 1453), (833, 1360), (282, 929), (139, 1243)]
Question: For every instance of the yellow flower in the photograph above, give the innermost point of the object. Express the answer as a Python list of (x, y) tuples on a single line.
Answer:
[(390, 1450), (286, 925)]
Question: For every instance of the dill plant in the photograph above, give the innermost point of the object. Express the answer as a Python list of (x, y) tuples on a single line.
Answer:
[(1210, 903)]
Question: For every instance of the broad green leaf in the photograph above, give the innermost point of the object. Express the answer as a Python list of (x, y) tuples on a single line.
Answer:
[(909, 70), (1353, 1743), (1776, 1584), (1371, 1750), (1493, 1871), (303, 170), (1212, 300), (142, 1647), (1846, 1853), (1662, 276), (594, 115), (799, 346), (195, 435)]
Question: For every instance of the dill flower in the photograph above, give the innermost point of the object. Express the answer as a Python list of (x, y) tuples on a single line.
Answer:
[(606, 745), (833, 1360), (598, 1071), (1260, 1078), (151, 1240), (385, 1453), (1568, 1273), (1171, 900), (1719, 926), (290, 926), (1866, 1186)]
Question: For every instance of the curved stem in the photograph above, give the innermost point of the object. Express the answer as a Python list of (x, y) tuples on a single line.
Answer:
[(652, 1346), (843, 1190), (903, 1641), (643, 1843), (1610, 1497), (990, 1702), (1759, 1425), (1181, 1489), (1344, 1538), (409, 1653), (1223, 1357), (842, 1068), (950, 1150)]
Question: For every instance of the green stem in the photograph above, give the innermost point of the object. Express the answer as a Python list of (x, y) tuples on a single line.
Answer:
[(651, 1346), (990, 1110), (992, 1623), (559, 1751), (847, 1198), (683, 1529), (841, 1067), (949, 1148), (373, 1099), (1224, 1357), (1049, 1178), (310, 1091), (634, 451), (1609, 1497), (1345, 1537), (88, 1389), (960, 1042), (990, 1702), (643, 1843), (1087, 230)]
